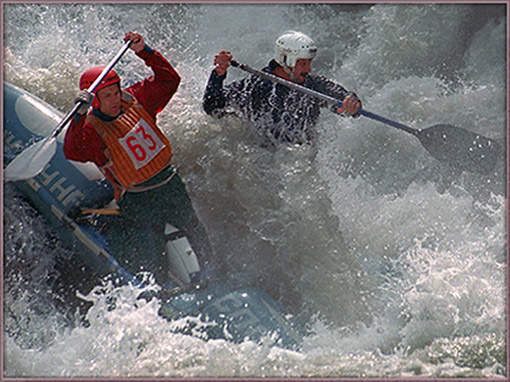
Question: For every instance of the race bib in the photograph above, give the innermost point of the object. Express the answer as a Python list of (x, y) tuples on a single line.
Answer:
[(142, 144)]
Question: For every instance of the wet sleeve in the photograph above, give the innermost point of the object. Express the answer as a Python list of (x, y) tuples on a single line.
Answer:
[(155, 92), (82, 143), (214, 99), (332, 89)]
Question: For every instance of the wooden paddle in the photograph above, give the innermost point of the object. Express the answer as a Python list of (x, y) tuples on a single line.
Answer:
[(33, 159), (455, 146)]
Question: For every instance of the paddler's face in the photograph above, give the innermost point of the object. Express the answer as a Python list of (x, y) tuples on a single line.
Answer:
[(301, 69), (109, 100)]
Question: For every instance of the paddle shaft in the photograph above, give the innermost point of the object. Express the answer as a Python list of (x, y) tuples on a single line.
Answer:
[(458, 147), (92, 87), (324, 97)]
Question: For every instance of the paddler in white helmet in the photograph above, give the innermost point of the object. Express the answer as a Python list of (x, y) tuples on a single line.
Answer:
[(277, 112)]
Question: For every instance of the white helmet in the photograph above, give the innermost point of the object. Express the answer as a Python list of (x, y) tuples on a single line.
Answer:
[(291, 46)]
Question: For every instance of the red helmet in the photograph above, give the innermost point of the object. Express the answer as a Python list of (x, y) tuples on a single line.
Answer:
[(90, 76)]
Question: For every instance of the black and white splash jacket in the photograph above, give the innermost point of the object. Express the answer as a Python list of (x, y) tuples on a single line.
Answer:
[(277, 112)]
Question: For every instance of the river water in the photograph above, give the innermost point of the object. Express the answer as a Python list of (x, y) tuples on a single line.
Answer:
[(396, 261)]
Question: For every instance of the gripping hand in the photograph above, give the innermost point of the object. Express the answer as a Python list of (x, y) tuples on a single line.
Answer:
[(86, 99)]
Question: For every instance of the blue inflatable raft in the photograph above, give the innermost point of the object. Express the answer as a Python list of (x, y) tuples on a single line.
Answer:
[(65, 187)]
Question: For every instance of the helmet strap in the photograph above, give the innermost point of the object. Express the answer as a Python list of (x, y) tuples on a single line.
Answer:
[(290, 72), (287, 68), (95, 102)]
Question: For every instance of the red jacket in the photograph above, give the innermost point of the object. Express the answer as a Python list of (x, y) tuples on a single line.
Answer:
[(82, 143)]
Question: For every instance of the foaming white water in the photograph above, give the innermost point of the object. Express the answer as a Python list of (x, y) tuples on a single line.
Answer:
[(397, 261)]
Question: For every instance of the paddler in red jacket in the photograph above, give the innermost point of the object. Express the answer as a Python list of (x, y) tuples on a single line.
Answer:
[(121, 137), (90, 138)]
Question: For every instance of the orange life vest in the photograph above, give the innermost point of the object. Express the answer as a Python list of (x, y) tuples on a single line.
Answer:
[(137, 148)]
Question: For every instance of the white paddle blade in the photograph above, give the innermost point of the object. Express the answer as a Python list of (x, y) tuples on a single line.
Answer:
[(31, 161)]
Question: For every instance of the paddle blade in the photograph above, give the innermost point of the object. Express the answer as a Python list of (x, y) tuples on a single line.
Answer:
[(31, 161), (461, 148)]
